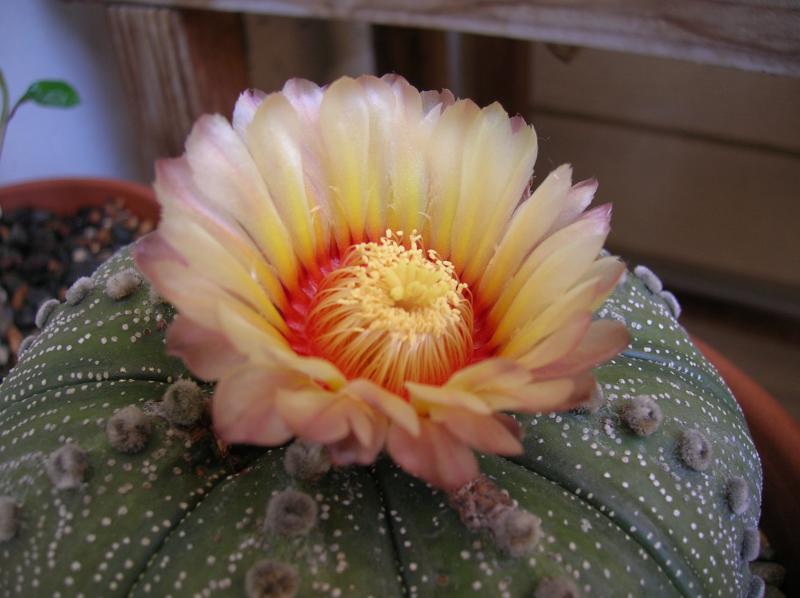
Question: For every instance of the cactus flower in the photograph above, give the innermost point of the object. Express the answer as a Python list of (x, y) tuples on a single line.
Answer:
[(364, 266)]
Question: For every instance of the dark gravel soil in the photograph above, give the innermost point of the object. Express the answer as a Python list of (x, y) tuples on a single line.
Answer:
[(42, 254)]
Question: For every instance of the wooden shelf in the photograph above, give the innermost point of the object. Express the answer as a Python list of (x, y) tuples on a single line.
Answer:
[(759, 35)]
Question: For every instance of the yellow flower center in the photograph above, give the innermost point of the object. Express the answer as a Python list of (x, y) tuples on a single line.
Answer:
[(392, 313)]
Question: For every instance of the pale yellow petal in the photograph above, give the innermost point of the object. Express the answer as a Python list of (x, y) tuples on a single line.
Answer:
[(533, 398), (593, 225), (395, 408), (181, 201), (228, 179), (205, 257), (559, 313), (559, 272), (344, 126), (603, 340), (407, 168), (251, 336), (381, 103), (279, 143), (489, 373), (530, 222), (444, 157), (198, 297), (555, 346), (498, 164), (423, 396)]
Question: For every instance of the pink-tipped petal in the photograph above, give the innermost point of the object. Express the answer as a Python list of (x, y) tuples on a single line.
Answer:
[(578, 199), (510, 424), (488, 374), (245, 109), (517, 123), (153, 248), (582, 240), (423, 395), (436, 455), (315, 415), (244, 407), (532, 398), (585, 385), (305, 96), (609, 271), (224, 170), (350, 450), (437, 100), (485, 434), (603, 340), (182, 201), (388, 403), (559, 343), (206, 352), (528, 227)]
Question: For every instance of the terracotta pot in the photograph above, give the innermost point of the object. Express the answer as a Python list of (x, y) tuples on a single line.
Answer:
[(777, 438), (67, 196)]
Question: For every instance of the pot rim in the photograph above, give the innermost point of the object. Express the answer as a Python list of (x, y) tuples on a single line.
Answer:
[(65, 195)]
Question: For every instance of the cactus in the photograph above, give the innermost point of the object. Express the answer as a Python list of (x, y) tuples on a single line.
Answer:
[(615, 512)]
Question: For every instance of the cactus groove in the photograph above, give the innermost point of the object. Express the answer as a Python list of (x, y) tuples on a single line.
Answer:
[(620, 514)]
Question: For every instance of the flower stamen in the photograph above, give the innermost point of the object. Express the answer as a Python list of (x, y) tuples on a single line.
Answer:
[(393, 312)]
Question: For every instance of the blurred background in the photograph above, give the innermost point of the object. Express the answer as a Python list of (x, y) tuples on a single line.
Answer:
[(687, 112)]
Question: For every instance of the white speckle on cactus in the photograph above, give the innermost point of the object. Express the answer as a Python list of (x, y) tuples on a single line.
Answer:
[(122, 284), (306, 461), (737, 495), (78, 291), (556, 587), (184, 403), (516, 531), (45, 311), (642, 415), (129, 430), (290, 513), (271, 579), (9, 518), (695, 450), (66, 466), (750, 544), (26, 343), (757, 588), (672, 302)]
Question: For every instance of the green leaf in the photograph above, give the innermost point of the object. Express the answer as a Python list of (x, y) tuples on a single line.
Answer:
[(51, 93)]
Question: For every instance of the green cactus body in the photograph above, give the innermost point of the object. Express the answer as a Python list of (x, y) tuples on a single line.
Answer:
[(621, 514)]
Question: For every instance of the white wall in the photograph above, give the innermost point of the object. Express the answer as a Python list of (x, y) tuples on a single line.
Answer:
[(58, 40)]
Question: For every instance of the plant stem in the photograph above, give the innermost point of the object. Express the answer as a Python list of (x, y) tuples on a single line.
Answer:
[(4, 115)]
